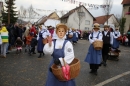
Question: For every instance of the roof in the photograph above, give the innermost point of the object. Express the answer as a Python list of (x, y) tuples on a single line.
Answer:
[(44, 18), (73, 10), (53, 17), (102, 19), (125, 2)]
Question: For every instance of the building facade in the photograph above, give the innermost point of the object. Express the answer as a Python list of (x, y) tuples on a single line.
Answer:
[(78, 18), (126, 13)]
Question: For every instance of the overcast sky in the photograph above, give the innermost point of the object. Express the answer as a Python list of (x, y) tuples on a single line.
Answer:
[(61, 5)]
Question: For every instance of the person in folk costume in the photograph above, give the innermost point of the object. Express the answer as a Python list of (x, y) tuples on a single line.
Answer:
[(43, 34), (107, 42), (77, 35), (74, 38), (69, 33), (116, 43), (59, 48), (94, 56)]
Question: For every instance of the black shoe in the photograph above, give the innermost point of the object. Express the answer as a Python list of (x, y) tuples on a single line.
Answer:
[(92, 71), (34, 53), (104, 64), (43, 54), (7, 52), (39, 56), (95, 73)]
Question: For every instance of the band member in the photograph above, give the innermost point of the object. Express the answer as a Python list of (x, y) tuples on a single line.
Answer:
[(107, 42), (94, 56), (59, 48)]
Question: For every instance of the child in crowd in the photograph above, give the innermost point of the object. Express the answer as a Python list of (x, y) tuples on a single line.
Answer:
[(33, 44), (28, 41), (19, 44)]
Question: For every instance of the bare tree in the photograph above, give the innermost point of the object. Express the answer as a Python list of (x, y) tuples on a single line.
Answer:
[(22, 13), (31, 13), (107, 8)]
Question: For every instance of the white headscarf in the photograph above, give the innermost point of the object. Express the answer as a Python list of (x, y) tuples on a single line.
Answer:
[(43, 27)]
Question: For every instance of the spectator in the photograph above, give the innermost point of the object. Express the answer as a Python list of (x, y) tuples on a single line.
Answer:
[(128, 33), (4, 36)]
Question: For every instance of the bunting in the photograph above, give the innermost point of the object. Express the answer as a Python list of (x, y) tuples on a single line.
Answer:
[(85, 4)]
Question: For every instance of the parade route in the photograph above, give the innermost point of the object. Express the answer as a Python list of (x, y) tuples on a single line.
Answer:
[(24, 70), (113, 78)]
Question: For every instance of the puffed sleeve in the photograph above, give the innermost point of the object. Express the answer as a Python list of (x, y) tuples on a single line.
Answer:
[(69, 53), (44, 35), (48, 33), (90, 40), (48, 49), (100, 37), (38, 36), (114, 35), (111, 38)]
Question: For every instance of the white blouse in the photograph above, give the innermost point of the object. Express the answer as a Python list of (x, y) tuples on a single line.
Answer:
[(118, 34), (95, 34), (68, 50), (45, 33)]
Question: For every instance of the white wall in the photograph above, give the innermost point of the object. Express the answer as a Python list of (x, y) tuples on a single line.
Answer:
[(125, 10), (111, 21), (73, 21), (52, 22)]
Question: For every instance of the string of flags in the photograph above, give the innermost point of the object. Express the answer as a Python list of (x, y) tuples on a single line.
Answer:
[(36, 13), (85, 4)]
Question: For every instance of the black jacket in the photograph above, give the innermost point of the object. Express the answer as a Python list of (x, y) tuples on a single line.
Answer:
[(33, 42)]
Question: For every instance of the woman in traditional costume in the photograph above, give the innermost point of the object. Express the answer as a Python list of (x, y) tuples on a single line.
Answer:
[(94, 56), (59, 48), (43, 34)]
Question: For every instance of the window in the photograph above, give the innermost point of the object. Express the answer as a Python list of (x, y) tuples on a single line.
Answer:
[(81, 14), (87, 28), (87, 22)]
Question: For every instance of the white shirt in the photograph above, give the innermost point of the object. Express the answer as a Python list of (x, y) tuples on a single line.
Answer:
[(111, 36), (68, 50), (70, 32), (54, 36), (118, 34), (45, 33), (95, 34), (76, 33)]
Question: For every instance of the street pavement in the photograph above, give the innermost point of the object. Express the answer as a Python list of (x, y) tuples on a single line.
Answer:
[(24, 70)]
